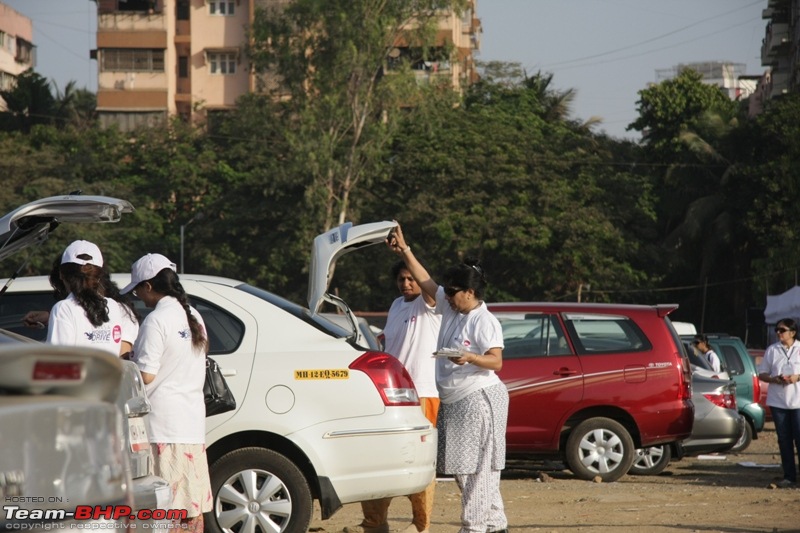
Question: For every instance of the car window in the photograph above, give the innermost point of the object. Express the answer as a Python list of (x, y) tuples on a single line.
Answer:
[(14, 306), (730, 359), (695, 359), (225, 331), (317, 320), (533, 336), (596, 334)]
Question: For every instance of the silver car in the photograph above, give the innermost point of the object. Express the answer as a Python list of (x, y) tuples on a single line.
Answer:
[(32, 224), (717, 427)]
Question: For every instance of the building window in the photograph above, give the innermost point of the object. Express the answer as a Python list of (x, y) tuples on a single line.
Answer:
[(183, 66), (131, 60), (221, 7), (182, 11), (222, 62), (2, 39), (7, 81)]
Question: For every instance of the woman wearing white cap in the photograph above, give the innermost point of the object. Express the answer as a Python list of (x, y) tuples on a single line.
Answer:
[(85, 317), (170, 352)]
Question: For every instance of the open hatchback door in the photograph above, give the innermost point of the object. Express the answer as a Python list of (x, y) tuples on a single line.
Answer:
[(333, 244), (33, 222)]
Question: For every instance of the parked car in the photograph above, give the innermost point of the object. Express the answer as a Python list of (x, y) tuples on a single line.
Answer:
[(717, 427), (740, 367), (318, 416), (590, 383), (62, 444), (29, 225)]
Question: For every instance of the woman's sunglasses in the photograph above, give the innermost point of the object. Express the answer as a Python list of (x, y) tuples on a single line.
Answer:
[(452, 291), (781, 330)]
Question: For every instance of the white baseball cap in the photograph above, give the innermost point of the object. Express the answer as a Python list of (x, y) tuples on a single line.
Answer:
[(82, 253), (146, 268)]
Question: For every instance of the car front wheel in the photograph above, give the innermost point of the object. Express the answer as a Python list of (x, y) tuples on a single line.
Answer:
[(258, 491), (599, 447), (651, 461)]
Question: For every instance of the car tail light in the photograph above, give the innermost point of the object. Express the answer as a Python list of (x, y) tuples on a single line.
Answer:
[(389, 376), (725, 399), (756, 388), (57, 371), (685, 390)]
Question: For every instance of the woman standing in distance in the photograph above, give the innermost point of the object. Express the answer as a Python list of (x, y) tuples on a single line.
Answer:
[(780, 367), (474, 402), (170, 352), (86, 317)]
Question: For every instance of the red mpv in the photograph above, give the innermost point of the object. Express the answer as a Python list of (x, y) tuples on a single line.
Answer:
[(590, 383)]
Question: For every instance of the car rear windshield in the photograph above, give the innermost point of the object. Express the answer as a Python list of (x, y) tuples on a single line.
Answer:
[(320, 323), (597, 334)]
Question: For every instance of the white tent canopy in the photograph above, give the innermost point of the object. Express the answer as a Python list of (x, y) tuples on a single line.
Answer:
[(785, 305)]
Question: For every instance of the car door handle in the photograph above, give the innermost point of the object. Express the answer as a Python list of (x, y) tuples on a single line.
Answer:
[(564, 371)]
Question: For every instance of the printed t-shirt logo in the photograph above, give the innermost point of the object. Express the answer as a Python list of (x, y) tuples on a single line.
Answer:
[(117, 333), (185, 333), (101, 335)]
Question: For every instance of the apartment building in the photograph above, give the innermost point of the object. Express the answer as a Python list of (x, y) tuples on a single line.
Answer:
[(17, 52), (161, 58)]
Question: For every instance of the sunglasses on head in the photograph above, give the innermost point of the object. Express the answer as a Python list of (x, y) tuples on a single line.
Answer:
[(452, 291), (781, 330)]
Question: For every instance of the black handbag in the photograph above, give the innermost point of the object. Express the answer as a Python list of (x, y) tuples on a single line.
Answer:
[(219, 398)]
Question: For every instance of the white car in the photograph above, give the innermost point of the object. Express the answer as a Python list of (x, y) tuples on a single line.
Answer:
[(317, 416)]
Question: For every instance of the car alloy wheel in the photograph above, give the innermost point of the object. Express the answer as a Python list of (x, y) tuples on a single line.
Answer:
[(599, 447), (651, 461), (257, 490)]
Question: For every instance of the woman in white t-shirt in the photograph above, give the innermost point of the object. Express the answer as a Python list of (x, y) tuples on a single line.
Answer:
[(109, 289), (170, 352), (780, 367), (85, 317), (473, 411)]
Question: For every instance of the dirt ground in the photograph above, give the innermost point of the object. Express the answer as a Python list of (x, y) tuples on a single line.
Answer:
[(715, 494)]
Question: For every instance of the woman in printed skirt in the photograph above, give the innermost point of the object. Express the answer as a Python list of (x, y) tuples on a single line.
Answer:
[(170, 352), (474, 402)]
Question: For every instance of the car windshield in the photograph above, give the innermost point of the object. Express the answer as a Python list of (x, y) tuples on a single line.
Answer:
[(317, 321)]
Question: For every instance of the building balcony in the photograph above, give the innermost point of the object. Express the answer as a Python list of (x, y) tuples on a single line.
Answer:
[(775, 43), (131, 21)]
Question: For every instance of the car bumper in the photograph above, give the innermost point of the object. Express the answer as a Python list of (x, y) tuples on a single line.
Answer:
[(365, 459), (717, 432)]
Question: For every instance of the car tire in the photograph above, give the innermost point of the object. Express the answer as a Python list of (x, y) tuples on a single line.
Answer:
[(744, 439), (599, 447), (651, 461), (240, 502)]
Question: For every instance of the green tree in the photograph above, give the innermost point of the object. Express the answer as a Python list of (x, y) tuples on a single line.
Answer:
[(537, 198), (329, 57), (30, 102), (673, 107)]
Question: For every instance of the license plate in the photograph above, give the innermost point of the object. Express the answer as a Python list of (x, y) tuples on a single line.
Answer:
[(138, 434)]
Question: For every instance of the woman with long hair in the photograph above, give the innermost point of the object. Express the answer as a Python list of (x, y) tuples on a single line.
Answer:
[(85, 317), (109, 289), (170, 353)]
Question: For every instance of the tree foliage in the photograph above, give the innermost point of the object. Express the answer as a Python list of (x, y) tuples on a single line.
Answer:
[(329, 57)]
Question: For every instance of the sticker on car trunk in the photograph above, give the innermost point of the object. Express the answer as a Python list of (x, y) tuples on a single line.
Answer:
[(138, 434), (333, 373)]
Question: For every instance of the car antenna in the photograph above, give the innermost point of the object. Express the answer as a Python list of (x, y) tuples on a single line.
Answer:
[(76, 192)]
